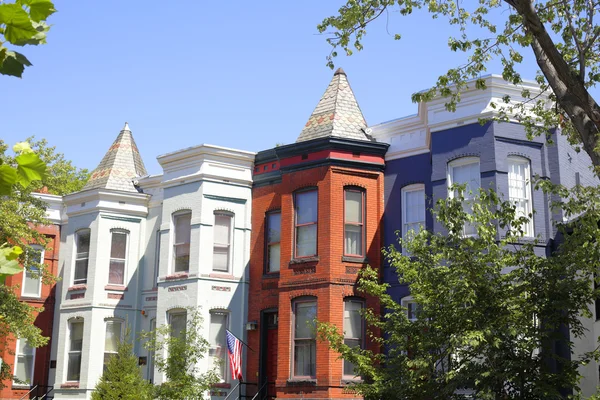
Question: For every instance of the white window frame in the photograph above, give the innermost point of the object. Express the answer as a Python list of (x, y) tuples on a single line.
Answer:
[(175, 244), (75, 257), (407, 302), (224, 351), (17, 354), (119, 232), (229, 245), (460, 162), (417, 187), (68, 347), (106, 324), (26, 271), (528, 229)]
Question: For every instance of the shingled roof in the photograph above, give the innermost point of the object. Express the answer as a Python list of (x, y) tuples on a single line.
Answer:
[(337, 113), (119, 166)]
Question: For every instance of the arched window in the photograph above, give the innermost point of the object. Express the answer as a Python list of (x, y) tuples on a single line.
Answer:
[(219, 320), (354, 222), (519, 190), (413, 209), (82, 256), (305, 217), (354, 330), (181, 241), (222, 239), (74, 348), (114, 333), (465, 171), (118, 257), (304, 337)]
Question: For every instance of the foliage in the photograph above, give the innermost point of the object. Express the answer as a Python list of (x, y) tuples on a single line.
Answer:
[(177, 356), (492, 308), (122, 378), (22, 22), (563, 37)]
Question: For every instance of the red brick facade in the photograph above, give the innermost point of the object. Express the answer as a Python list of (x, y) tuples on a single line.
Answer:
[(329, 277), (43, 321)]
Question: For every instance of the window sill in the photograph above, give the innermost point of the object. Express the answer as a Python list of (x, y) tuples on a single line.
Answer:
[(70, 385), (17, 386), (355, 259), (350, 381), (179, 275), (302, 382), (77, 287), (221, 275), (30, 297), (304, 260), (271, 275), (117, 288), (222, 385)]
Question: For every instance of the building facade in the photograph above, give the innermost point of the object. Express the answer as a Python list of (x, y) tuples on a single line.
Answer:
[(318, 205)]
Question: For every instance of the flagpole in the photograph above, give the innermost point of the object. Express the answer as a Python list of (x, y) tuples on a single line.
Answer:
[(241, 341)]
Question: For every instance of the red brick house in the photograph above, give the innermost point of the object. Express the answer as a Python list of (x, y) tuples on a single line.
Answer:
[(317, 207), (33, 364)]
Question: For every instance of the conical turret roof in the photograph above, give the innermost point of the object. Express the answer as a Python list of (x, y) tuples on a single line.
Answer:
[(337, 114), (121, 163)]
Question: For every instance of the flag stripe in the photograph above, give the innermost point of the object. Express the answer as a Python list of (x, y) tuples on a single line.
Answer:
[(234, 348)]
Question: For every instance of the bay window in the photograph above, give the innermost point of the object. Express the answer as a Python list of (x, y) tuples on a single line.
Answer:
[(75, 347), (304, 334), (465, 171), (118, 254), (273, 241), (216, 341), (222, 242), (519, 191), (178, 323), (111, 340), (82, 256), (353, 330), (305, 205), (181, 245), (354, 227)]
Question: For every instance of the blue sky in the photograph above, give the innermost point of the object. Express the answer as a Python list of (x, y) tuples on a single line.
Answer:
[(238, 74)]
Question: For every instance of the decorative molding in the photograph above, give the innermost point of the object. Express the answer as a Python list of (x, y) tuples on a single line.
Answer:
[(117, 218), (177, 288), (224, 198), (221, 288), (115, 296)]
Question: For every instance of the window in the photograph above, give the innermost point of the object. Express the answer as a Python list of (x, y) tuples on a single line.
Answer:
[(216, 340), (151, 354), (305, 345), (178, 323), (181, 246), (413, 209), (273, 241), (75, 347), (519, 190), (353, 330), (306, 223), (82, 243), (32, 276), (354, 213), (157, 259), (118, 255), (465, 171), (24, 363), (222, 242), (412, 310), (111, 340)]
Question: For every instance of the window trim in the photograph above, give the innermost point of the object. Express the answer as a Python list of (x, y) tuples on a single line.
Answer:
[(362, 225), (295, 302), (296, 225), (362, 331), (110, 258), (68, 347), (515, 159), (226, 377), (37, 295), (75, 258), (415, 187), (269, 244), (231, 217), (16, 362), (174, 216), (106, 323)]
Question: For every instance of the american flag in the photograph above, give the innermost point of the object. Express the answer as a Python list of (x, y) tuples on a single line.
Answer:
[(234, 348)]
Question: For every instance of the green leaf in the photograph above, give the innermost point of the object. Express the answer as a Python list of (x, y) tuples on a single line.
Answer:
[(14, 64), (8, 177), (31, 168), (8, 265), (18, 25), (40, 10)]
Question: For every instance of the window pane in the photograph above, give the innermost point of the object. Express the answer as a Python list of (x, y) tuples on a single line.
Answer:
[(116, 272), (220, 258), (469, 175), (306, 207), (178, 324), (353, 206), (305, 352), (348, 366), (216, 340), (352, 320), (118, 246), (74, 366), (353, 242), (113, 336), (24, 368), (274, 257), (305, 316), (31, 284), (306, 240), (182, 257), (81, 267), (83, 242), (222, 229), (182, 228), (414, 206), (76, 336), (274, 224)]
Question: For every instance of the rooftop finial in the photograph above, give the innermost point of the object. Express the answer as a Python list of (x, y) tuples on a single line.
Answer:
[(339, 71), (126, 127)]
